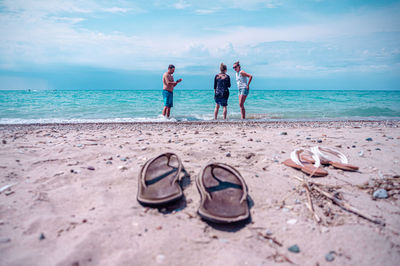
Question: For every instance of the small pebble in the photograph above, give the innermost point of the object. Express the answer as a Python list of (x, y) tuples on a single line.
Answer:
[(353, 146), (294, 249), (4, 141), (9, 192), (228, 154), (319, 141), (91, 168), (41, 237), (123, 159), (378, 149), (284, 133), (160, 258), (5, 240), (122, 168), (368, 139), (108, 162), (268, 232), (330, 256), (380, 194), (248, 156)]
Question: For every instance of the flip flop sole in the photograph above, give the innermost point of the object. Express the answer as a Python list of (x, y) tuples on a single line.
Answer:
[(158, 181), (314, 171), (290, 163), (345, 167), (308, 168), (168, 200), (221, 196)]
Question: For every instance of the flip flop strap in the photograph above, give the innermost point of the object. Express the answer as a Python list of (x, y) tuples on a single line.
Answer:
[(295, 156), (319, 151), (154, 180), (222, 184)]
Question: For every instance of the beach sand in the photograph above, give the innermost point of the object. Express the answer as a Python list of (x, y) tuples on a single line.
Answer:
[(73, 195)]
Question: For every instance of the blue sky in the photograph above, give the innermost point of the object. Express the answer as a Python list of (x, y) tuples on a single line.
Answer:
[(92, 44)]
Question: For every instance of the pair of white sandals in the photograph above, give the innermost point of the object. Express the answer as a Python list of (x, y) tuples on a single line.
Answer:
[(309, 161)]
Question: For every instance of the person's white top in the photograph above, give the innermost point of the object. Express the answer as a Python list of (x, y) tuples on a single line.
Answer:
[(241, 81)]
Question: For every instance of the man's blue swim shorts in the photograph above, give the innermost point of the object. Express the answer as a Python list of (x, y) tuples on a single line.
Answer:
[(168, 98)]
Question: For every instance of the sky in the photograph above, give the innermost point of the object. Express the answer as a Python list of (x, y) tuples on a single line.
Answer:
[(121, 44)]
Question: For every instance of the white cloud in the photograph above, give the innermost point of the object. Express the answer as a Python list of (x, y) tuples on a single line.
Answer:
[(205, 11), (46, 7), (210, 6), (181, 4), (116, 10)]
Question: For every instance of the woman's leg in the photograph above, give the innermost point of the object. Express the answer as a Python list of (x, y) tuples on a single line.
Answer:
[(242, 99), (225, 109), (216, 111)]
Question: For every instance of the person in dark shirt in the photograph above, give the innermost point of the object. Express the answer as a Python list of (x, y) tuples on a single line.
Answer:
[(222, 83)]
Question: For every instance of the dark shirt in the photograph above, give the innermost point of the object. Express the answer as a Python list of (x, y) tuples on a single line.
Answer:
[(222, 83)]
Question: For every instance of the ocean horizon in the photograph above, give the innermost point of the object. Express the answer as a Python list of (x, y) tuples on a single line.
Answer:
[(101, 106)]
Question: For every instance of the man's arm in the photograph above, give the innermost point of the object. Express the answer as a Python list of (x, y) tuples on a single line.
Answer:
[(167, 82)]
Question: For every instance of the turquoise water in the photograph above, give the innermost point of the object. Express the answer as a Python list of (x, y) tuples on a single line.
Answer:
[(47, 106)]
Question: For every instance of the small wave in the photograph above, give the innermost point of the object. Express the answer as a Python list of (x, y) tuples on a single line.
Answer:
[(20, 121), (373, 111)]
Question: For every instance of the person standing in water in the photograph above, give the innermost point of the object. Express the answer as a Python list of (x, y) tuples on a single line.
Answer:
[(222, 83), (243, 86), (168, 88)]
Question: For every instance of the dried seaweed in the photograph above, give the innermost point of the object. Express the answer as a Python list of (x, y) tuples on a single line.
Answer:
[(336, 198)]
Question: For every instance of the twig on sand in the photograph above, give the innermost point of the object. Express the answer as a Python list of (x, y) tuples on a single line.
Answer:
[(278, 257), (270, 238), (348, 207), (341, 204), (310, 203)]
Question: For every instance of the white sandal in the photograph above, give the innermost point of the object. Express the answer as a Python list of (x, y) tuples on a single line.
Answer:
[(322, 153), (299, 162)]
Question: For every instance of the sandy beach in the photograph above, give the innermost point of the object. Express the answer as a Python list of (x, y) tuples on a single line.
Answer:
[(68, 195)]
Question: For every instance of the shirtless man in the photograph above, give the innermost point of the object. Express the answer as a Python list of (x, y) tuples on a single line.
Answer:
[(168, 87)]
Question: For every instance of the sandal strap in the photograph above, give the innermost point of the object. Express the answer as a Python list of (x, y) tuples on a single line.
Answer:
[(222, 184), (319, 151), (295, 156), (155, 180)]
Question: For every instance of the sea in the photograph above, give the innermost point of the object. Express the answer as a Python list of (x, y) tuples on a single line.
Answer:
[(99, 106)]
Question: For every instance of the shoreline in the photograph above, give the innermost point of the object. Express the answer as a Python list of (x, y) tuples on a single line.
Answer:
[(291, 123)]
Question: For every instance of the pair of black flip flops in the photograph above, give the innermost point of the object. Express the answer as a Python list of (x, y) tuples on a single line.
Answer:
[(223, 191)]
